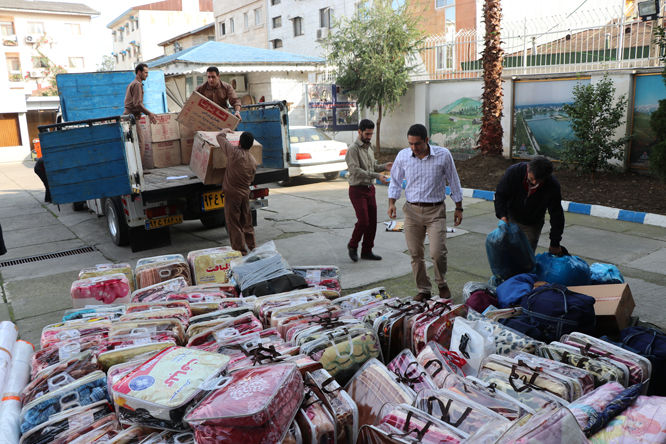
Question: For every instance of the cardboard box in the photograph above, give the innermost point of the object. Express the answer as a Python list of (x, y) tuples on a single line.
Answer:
[(185, 131), (165, 154), (201, 161), (201, 114), (186, 149), (613, 307), (165, 129), (220, 160)]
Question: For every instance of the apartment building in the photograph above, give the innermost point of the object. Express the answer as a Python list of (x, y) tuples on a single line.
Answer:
[(138, 31)]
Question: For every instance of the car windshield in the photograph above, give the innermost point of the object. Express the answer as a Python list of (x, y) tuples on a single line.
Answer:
[(297, 135)]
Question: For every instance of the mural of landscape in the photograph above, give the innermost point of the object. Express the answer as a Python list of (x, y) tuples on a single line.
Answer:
[(649, 91), (456, 126), (539, 121)]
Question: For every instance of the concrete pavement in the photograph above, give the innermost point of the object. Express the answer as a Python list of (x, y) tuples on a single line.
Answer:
[(311, 223)]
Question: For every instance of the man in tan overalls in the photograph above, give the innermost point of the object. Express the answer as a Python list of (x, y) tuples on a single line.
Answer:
[(134, 103), (239, 174)]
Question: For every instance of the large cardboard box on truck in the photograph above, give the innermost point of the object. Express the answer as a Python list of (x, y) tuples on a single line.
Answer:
[(165, 129), (201, 114), (201, 161), (220, 160)]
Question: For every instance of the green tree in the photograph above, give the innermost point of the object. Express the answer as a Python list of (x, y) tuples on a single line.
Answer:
[(490, 137), (373, 55), (51, 70), (594, 117), (658, 118), (108, 64)]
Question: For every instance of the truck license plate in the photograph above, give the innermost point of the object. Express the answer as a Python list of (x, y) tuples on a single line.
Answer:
[(212, 200), (164, 221)]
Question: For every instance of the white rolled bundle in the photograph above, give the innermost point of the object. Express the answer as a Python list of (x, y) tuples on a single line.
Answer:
[(8, 335), (10, 407)]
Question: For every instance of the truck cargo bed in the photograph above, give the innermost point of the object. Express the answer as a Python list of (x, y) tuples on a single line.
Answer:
[(158, 187)]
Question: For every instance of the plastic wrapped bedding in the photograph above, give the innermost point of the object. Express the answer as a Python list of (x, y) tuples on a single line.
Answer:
[(17, 379)]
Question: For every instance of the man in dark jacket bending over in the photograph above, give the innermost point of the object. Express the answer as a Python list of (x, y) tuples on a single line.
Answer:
[(524, 194)]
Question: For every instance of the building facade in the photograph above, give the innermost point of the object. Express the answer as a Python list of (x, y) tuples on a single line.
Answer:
[(39, 40), (138, 32), (294, 26), (189, 39)]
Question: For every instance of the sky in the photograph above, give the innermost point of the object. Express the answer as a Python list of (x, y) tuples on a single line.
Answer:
[(557, 92), (649, 90)]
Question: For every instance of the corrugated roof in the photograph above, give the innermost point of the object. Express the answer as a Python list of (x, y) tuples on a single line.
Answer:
[(217, 53), (185, 34), (48, 7)]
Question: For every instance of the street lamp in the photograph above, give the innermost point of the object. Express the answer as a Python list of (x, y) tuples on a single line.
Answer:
[(648, 10)]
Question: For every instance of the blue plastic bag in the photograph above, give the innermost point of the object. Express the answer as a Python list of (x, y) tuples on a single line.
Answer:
[(565, 270), (605, 274), (511, 291), (509, 252)]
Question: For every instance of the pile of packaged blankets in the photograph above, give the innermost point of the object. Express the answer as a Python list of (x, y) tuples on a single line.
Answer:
[(173, 362)]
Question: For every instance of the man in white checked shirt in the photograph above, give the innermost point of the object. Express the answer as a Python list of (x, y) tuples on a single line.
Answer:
[(426, 168)]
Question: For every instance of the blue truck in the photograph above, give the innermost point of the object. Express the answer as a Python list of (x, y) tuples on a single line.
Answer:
[(92, 156)]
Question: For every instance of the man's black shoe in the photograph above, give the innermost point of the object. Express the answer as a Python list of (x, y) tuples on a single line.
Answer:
[(353, 253), (371, 256)]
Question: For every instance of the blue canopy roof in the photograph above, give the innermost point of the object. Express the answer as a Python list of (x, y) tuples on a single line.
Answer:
[(211, 53)]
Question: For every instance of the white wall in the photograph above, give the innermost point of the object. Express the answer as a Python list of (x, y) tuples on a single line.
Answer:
[(256, 35), (286, 85), (305, 44)]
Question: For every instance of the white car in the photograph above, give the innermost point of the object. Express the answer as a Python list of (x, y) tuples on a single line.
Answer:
[(313, 152)]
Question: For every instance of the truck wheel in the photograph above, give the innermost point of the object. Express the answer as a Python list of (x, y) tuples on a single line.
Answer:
[(214, 221), (116, 221), (332, 175)]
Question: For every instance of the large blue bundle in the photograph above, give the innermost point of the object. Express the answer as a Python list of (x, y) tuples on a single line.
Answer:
[(565, 270), (509, 252), (605, 274)]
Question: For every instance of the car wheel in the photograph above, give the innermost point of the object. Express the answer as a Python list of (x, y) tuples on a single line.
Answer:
[(215, 221), (118, 228), (332, 175), (285, 183)]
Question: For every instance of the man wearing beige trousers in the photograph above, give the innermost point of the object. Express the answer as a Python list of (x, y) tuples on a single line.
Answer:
[(427, 168)]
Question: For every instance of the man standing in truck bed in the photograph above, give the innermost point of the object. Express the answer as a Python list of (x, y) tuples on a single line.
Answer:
[(219, 92), (239, 174), (134, 102)]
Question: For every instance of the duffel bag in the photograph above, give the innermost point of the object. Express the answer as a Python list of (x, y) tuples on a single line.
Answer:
[(650, 343), (280, 284), (559, 311)]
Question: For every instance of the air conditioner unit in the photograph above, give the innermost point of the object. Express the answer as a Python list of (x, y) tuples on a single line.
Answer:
[(238, 83), (31, 38), (322, 33), (36, 73)]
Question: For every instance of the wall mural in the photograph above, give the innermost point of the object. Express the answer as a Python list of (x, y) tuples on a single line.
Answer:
[(539, 121), (648, 91), (455, 119)]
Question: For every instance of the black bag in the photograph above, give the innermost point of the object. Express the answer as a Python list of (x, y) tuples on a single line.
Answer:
[(280, 284), (559, 311), (651, 344)]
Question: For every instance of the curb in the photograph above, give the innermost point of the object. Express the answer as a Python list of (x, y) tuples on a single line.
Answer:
[(572, 207)]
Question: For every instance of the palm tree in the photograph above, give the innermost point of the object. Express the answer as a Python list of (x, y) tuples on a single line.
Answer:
[(490, 139)]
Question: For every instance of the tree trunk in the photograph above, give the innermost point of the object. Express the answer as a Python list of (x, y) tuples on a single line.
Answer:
[(490, 139), (378, 145)]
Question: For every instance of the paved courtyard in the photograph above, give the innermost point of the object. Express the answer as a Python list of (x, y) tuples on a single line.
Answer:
[(311, 223)]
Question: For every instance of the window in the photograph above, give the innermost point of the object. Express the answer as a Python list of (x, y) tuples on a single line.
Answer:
[(211, 38), (450, 10), (275, 2), (223, 28), (232, 26), (325, 18), (277, 22), (298, 26), (258, 20), (115, 36), (307, 135), (277, 43), (246, 21), (72, 29), (77, 62), (444, 54), (123, 56), (7, 28), (136, 51), (129, 55), (40, 62), (116, 56), (120, 35), (13, 67), (127, 28), (35, 28), (137, 23), (132, 25)]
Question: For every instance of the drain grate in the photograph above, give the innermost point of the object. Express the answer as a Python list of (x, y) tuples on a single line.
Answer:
[(43, 257)]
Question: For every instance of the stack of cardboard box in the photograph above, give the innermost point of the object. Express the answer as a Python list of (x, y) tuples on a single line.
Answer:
[(204, 119), (162, 141)]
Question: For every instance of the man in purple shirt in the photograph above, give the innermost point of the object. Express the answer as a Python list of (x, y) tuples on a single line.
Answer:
[(427, 168)]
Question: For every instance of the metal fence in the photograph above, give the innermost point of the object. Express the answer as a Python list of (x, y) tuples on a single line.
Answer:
[(583, 41)]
